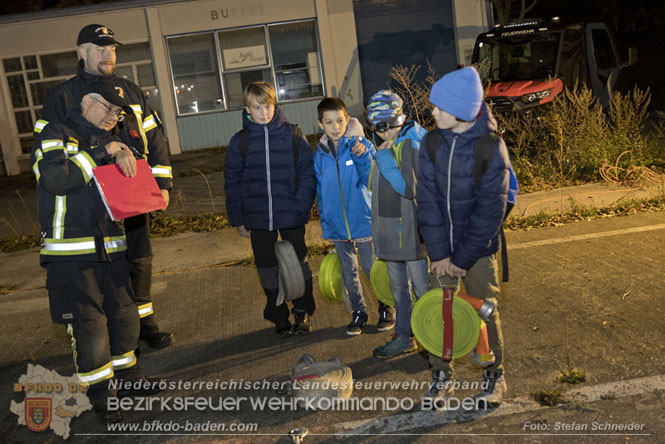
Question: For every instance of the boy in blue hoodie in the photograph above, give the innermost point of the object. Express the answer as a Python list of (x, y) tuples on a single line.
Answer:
[(460, 219), (270, 188), (342, 162), (394, 217)]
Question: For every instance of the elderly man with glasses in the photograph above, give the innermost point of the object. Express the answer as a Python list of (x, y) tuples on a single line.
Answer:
[(140, 130), (84, 251)]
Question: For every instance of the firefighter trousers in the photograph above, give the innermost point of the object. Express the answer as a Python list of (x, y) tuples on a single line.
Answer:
[(94, 300), (139, 257)]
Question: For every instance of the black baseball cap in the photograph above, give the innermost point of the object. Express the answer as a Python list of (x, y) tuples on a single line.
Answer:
[(98, 34), (112, 92)]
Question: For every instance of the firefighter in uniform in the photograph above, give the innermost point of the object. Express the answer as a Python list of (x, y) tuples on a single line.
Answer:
[(141, 131), (83, 250)]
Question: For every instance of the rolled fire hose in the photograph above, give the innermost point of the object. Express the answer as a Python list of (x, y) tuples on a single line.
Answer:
[(428, 326), (291, 278), (378, 277), (311, 381)]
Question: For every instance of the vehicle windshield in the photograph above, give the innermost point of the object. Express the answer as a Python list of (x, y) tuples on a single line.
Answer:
[(518, 57)]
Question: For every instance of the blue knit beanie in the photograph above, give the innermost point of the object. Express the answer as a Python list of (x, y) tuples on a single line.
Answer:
[(459, 93), (385, 107)]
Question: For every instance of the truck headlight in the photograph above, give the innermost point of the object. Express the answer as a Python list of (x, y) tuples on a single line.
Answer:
[(539, 95)]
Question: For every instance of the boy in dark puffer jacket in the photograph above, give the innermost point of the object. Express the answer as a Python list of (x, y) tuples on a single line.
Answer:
[(268, 192), (459, 219)]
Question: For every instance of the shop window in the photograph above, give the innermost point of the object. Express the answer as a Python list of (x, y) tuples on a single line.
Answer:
[(244, 58), (23, 121), (12, 65), (286, 55), (30, 62), (18, 91), (145, 74), (58, 65), (295, 56), (26, 143), (40, 90), (133, 52), (196, 80), (125, 72)]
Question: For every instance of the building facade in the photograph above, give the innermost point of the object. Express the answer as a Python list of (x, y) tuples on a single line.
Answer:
[(194, 58)]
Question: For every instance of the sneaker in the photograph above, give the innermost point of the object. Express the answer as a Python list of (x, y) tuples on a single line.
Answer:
[(394, 347), (283, 328), (440, 389), (386, 319), (302, 326), (494, 389), (358, 321)]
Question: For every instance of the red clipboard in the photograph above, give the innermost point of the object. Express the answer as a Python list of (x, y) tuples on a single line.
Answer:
[(128, 196)]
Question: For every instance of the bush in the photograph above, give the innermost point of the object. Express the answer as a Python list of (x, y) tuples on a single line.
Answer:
[(566, 142)]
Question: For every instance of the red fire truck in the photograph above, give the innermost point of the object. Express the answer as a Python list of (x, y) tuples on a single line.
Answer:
[(527, 64)]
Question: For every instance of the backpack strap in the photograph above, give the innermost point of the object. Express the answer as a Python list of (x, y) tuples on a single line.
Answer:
[(243, 142), (432, 140), (482, 155), (296, 135)]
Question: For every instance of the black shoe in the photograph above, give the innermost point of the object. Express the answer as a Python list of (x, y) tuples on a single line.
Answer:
[(140, 387), (386, 318), (283, 328), (358, 321), (106, 416), (302, 326), (157, 340)]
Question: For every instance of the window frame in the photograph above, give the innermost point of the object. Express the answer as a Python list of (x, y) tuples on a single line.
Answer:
[(35, 108), (222, 71)]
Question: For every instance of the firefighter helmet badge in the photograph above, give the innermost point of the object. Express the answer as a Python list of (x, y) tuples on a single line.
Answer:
[(38, 413)]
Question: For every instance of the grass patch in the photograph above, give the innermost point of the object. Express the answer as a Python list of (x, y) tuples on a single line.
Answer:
[(572, 376), (164, 225), (548, 397), (579, 213), (20, 243)]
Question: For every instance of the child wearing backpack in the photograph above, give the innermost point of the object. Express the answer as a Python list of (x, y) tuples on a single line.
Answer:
[(342, 163), (460, 219), (270, 187), (394, 221)]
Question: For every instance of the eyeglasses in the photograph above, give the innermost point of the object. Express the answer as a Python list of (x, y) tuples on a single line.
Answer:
[(382, 127), (109, 109)]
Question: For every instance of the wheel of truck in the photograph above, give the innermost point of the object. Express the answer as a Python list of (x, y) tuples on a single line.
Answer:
[(291, 278)]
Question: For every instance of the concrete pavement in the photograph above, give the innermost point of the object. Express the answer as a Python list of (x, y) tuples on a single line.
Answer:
[(215, 312)]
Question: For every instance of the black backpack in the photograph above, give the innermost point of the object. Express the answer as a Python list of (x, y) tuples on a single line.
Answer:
[(482, 157), (243, 145)]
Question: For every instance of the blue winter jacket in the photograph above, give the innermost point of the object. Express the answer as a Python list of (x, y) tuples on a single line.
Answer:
[(347, 215), (456, 219), (261, 191)]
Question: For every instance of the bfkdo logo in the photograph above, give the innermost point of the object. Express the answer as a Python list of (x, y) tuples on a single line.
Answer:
[(38, 413)]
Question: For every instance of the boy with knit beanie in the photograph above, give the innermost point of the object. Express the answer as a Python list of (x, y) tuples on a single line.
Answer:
[(460, 219), (394, 216)]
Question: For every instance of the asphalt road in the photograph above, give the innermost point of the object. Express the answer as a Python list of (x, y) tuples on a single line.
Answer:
[(587, 294)]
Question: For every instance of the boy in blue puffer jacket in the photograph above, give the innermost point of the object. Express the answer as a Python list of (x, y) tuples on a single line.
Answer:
[(342, 163), (460, 219), (268, 191)]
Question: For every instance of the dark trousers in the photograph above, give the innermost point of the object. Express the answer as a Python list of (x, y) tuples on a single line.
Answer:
[(94, 299), (263, 246), (139, 257)]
